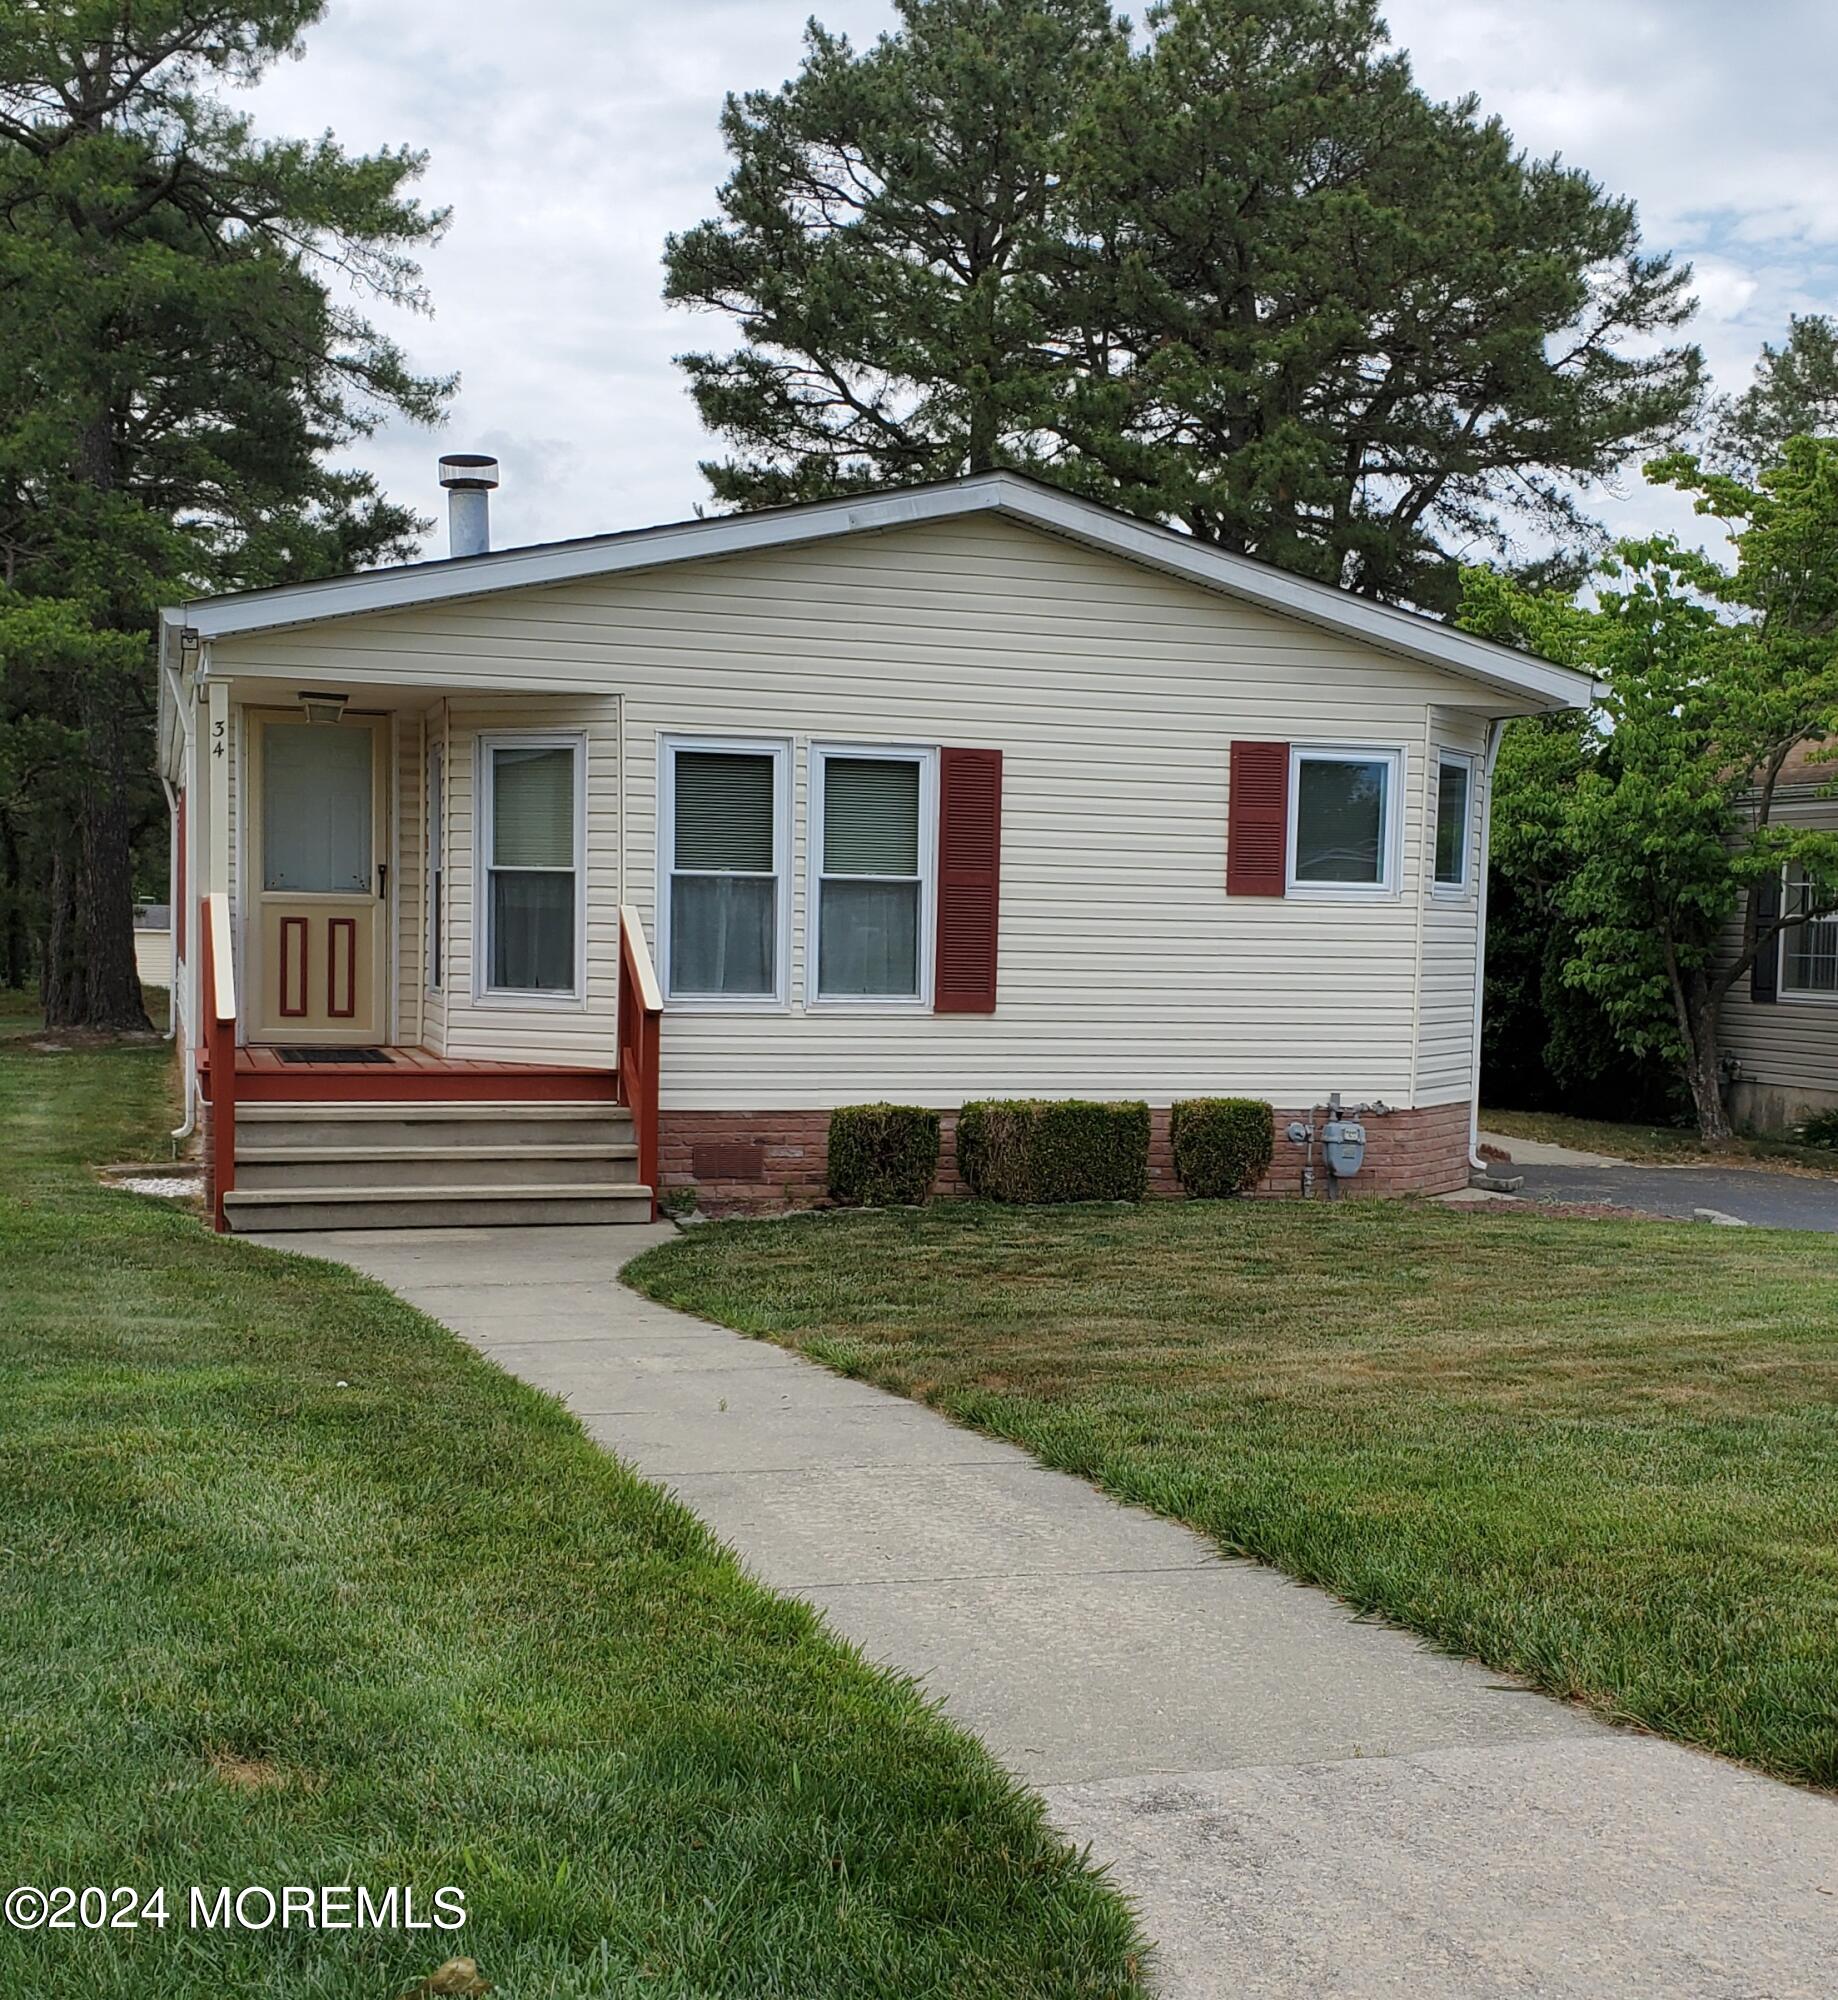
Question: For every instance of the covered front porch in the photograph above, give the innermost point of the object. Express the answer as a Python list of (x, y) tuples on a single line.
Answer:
[(411, 966)]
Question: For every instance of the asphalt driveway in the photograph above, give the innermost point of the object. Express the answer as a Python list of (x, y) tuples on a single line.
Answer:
[(1734, 1194)]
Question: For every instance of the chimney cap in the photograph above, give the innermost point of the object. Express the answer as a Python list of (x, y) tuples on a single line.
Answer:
[(468, 471)]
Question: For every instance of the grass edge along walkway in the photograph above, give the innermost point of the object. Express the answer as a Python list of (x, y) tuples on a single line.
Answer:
[(1602, 1455), (295, 1588)]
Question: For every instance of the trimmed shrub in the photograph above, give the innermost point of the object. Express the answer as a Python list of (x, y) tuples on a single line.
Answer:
[(1222, 1145), (883, 1155), (1821, 1129), (1026, 1149)]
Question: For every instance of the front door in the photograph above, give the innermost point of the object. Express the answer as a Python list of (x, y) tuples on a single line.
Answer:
[(318, 917)]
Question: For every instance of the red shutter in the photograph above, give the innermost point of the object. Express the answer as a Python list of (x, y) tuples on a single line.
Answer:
[(1257, 837), (969, 880)]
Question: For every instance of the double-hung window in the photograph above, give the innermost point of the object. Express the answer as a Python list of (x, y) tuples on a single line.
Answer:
[(1454, 811), (1809, 947), (873, 837), (724, 835), (530, 835), (1343, 821)]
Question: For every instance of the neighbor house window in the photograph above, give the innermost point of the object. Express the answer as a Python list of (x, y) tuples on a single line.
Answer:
[(1342, 821), (530, 839), (1454, 805), (1809, 949), (437, 864), (724, 834), (873, 835)]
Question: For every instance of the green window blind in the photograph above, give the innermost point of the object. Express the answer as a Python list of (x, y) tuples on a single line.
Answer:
[(724, 813), (870, 816), (532, 808)]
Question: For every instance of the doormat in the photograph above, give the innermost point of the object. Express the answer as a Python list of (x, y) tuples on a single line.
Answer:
[(334, 1055)]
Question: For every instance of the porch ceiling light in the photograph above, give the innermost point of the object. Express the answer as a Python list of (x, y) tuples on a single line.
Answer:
[(323, 707)]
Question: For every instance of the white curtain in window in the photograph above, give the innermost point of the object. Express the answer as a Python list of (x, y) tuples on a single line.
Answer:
[(316, 792), (724, 891), (531, 903), (868, 928)]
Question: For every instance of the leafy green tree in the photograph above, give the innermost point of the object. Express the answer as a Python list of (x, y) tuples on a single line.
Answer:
[(1247, 278), (1660, 833), (174, 370), (1347, 329), (891, 244), (1794, 394)]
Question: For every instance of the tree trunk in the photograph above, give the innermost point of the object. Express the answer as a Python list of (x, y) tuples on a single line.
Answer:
[(15, 952), (1704, 1068), (110, 982), (56, 966)]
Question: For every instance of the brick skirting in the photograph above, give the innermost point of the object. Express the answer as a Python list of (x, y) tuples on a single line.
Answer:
[(755, 1161)]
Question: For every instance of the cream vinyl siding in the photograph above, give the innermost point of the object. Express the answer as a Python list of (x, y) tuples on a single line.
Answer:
[(1445, 1034), (1793, 1041), (510, 1029), (1114, 693), (434, 1004)]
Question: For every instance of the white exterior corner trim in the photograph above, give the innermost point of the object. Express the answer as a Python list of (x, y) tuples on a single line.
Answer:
[(1404, 633)]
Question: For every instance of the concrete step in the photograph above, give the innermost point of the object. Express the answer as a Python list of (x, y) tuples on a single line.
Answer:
[(264, 1127), (260, 1209), (533, 1164)]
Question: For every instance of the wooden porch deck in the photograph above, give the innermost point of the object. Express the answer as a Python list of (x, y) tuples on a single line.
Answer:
[(413, 1075)]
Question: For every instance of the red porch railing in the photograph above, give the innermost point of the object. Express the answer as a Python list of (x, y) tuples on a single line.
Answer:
[(641, 1016), (218, 1036)]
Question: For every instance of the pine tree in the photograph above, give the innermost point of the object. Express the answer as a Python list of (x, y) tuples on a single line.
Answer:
[(890, 244), (174, 369), (1794, 393), (1246, 278)]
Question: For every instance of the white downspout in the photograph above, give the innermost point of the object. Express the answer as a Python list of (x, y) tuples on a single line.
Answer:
[(172, 899), (1496, 729)]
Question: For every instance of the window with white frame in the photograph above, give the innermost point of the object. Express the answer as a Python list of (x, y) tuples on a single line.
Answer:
[(724, 833), (1809, 947), (1343, 821), (873, 837), (434, 919), (1454, 810), (530, 836)]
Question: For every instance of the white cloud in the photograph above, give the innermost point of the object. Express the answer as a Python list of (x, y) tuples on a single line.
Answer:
[(569, 136)]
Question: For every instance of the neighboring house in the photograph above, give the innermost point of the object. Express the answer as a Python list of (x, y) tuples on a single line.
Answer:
[(153, 943), (967, 790), (1779, 1026)]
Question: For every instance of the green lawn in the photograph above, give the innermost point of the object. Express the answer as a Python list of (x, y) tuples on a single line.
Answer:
[(294, 1589), (1602, 1454), (1657, 1145)]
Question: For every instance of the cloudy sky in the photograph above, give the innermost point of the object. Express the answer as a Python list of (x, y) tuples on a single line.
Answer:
[(569, 136)]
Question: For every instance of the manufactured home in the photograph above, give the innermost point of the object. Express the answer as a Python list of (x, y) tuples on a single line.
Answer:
[(1779, 1025), (529, 883)]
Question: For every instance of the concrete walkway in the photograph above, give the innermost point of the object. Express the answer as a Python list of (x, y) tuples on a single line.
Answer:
[(1300, 1803)]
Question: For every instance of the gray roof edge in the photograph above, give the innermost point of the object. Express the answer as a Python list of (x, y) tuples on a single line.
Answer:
[(1405, 633)]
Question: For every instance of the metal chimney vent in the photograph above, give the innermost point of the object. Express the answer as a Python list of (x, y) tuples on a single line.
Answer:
[(469, 477)]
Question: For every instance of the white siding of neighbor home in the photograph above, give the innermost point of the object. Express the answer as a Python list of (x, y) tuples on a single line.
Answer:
[(1792, 1042), (1114, 693)]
